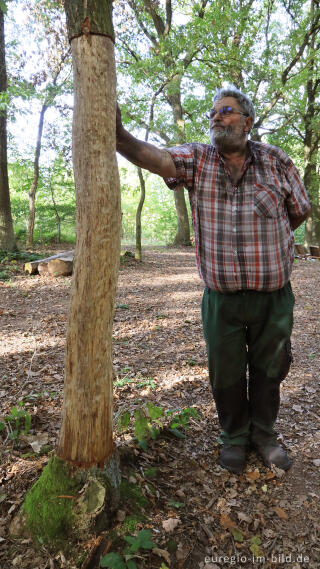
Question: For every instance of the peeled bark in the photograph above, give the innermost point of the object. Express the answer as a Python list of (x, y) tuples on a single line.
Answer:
[(86, 433)]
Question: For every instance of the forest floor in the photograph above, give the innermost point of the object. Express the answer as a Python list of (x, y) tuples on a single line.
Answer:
[(200, 516)]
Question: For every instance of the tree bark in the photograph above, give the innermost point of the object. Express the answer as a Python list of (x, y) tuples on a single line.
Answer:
[(86, 434), (7, 240)]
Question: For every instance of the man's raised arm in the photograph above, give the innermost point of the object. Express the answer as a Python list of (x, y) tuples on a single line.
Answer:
[(143, 154)]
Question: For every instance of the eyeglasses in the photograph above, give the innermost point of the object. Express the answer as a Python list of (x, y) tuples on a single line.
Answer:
[(223, 112)]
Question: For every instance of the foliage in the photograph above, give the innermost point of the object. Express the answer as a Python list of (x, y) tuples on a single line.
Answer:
[(150, 420), (159, 220), (17, 421), (55, 211), (142, 541)]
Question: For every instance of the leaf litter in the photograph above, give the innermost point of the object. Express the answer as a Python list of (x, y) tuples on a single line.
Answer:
[(200, 515)]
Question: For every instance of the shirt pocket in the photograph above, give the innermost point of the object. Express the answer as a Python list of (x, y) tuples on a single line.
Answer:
[(266, 201)]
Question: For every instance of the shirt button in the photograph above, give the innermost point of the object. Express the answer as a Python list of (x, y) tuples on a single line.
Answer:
[(234, 229), (235, 251)]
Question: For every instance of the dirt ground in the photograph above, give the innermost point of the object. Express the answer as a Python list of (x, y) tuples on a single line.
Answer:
[(200, 516)]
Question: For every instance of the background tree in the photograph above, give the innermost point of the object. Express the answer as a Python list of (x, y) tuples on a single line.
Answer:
[(7, 240), (177, 57), (50, 80)]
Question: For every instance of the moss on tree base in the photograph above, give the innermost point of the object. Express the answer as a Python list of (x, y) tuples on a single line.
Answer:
[(65, 501)]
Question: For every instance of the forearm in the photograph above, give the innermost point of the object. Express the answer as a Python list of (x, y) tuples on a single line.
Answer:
[(295, 222), (145, 155)]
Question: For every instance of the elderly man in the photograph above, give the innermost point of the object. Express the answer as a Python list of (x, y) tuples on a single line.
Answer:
[(246, 199)]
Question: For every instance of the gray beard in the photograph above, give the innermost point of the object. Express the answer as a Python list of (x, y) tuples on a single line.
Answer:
[(225, 139)]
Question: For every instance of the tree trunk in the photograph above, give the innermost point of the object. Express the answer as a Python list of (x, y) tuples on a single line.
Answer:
[(34, 185), (173, 93), (86, 433), (86, 465), (7, 240), (138, 253)]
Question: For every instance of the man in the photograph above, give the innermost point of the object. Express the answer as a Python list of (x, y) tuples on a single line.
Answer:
[(246, 199)]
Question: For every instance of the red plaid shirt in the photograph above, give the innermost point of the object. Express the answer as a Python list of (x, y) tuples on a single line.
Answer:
[(242, 233)]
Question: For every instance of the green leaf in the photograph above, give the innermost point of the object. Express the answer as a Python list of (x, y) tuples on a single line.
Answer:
[(131, 564), (27, 423), (141, 426), (112, 561), (177, 433), (254, 547), (154, 411), (123, 421), (176, 504), (2, 426), (3, 6), (141, 541), (237, 534)]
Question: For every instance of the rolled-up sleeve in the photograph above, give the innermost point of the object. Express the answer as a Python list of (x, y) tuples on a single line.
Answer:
[(297, 201), (183, 158)]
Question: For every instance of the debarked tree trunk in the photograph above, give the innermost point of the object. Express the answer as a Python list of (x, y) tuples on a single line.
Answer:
[(81, 483)]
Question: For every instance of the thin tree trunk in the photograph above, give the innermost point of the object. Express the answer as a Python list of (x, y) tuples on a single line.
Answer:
[(7, 240), (86, 432), (56, 211), (34, 185), (138, 253), (183, 225)]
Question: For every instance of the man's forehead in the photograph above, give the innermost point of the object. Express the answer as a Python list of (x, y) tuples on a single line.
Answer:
[(226, 102)]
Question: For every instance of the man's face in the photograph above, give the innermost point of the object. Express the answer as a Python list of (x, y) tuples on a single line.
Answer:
[(227, 130)]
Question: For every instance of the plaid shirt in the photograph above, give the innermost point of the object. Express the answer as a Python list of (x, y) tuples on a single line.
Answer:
[(242, 232)]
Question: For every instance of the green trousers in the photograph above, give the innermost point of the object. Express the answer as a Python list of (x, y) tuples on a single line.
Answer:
[(247, 335)]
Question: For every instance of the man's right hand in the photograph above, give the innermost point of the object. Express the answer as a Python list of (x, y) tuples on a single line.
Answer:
[(143, 154)]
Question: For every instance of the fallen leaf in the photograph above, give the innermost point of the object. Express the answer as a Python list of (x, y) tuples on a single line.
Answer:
[(226, 522), (316, 462), (36, 441), (170, 524), (253, 475), (281, 513), (162, 553), (182, 552), (270, 474), (244, 517)]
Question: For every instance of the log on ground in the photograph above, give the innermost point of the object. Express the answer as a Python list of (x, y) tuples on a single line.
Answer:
[(56, 265)]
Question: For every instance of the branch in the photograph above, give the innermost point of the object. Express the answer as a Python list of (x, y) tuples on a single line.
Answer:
[(314, 28), (202, 9), (168, 17), (157, 20), (146, 32), (129, 50)]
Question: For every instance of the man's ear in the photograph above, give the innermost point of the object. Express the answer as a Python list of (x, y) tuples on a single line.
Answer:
[(248, 124)]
